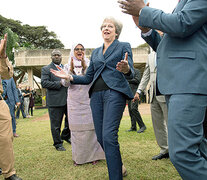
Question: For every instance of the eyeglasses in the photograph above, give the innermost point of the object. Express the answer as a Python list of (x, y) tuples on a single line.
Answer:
[(79, 49), (56, 55)]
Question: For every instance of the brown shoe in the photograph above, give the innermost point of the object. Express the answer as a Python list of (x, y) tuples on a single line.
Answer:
[(124, 171), (15, 135)]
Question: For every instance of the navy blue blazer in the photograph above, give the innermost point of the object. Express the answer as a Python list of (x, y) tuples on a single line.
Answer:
[(182, 52), (105, 65), (56, 93)]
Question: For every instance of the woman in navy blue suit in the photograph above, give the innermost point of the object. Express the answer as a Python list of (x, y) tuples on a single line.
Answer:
[(110, 67)]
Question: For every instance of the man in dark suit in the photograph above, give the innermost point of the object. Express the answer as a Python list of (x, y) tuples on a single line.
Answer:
[(181, 77), (56, 99), (11, 97), (133, 105)]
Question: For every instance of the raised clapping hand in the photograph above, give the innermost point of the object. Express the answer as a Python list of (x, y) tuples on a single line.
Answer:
[(131, 7), (123, 65), (83, 63), (3, 47), (61, 74), (71, 65), (136, 21)]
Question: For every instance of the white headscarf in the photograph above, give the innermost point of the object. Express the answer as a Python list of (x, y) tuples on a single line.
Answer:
[(77, 63)]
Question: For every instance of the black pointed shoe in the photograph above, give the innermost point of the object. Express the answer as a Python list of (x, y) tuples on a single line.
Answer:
[(61, 148), (160, 156), (142, 129)]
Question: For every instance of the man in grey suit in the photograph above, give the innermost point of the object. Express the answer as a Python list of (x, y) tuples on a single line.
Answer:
[(158, 106), (56, 99), (181, 77)]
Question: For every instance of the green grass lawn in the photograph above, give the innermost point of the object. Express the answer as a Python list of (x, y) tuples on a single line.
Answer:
[(37, 159)]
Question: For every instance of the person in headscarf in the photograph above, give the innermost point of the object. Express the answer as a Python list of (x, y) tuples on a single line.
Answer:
[(85, 147)]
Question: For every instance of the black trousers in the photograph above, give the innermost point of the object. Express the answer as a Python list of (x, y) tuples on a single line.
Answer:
[(135, 115), (30, 108), (56, 116)]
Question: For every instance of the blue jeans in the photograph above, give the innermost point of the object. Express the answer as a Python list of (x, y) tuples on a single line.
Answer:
[(21, 108), (12, 112), (107, 109), (187, 145)]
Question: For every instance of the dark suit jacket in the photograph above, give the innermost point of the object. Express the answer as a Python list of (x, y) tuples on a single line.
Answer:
[(56, 93), (182, 52), (10, 91), (105, 65), (134, 83)]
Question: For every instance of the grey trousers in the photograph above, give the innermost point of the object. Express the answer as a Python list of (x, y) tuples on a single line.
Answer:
[(159, 121)]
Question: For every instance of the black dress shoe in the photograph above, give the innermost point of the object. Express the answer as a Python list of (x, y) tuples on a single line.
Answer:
[(142, 129), (67, 140), (0, 171), (61, 148), (131, 130), (160, 156), (13, 177)]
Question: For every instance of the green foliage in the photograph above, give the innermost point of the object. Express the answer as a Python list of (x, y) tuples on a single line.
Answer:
[(31, 37), (38, 99), (12, 43)]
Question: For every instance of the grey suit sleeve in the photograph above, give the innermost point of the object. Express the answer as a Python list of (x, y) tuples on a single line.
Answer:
[(145, 78), (181, 24), (46, 80)]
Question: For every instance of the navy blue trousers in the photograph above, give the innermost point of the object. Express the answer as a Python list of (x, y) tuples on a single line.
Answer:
[(107, 109)]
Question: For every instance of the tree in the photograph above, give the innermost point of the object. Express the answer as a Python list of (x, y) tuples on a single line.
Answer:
[(32, 37), (12, 43), (26, 37)]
